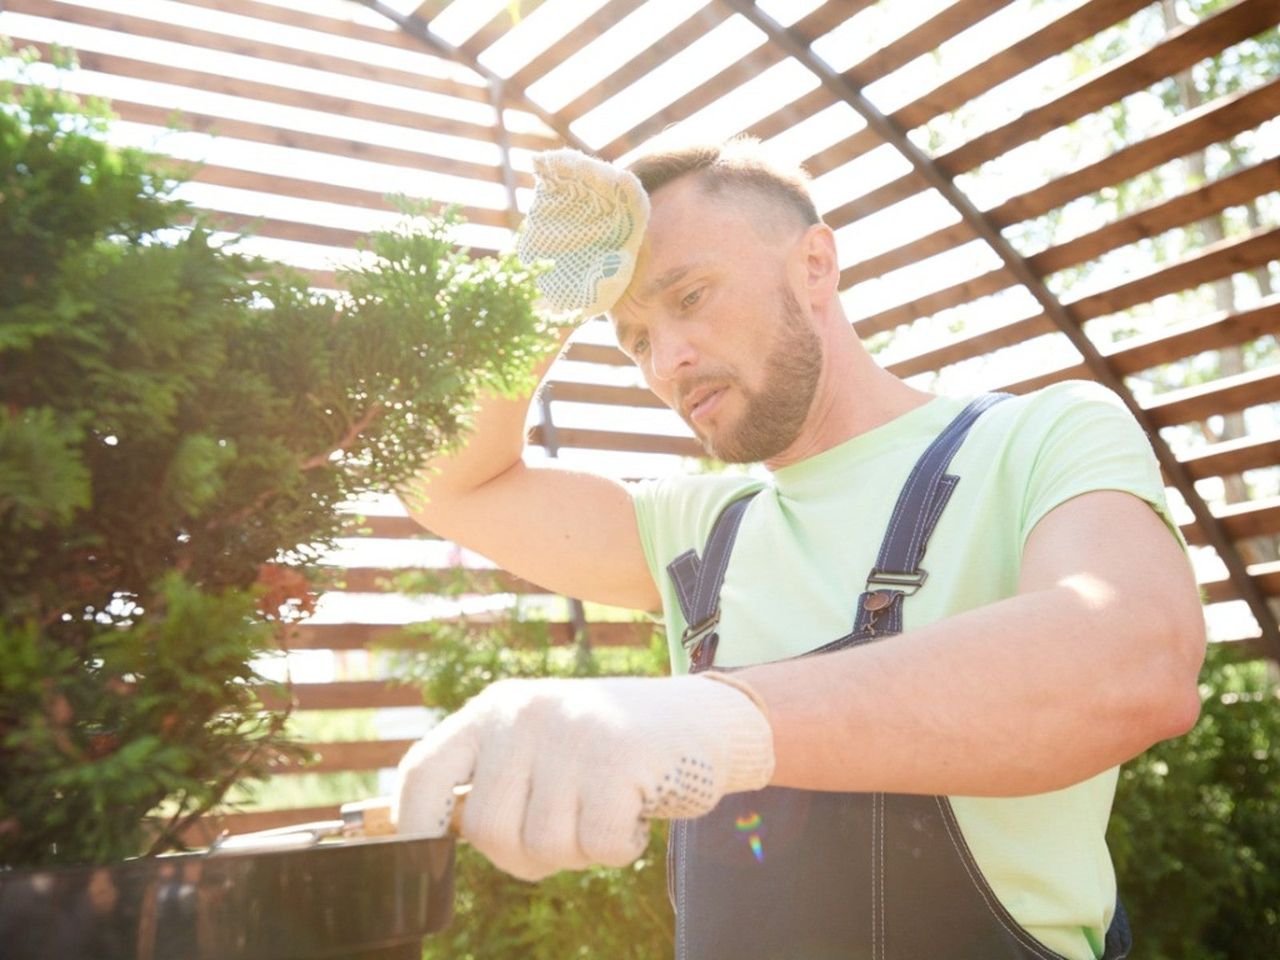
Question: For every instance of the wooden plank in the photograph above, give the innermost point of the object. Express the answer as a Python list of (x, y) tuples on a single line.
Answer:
[(1233, 456), (926, 306), (1211, 123), (363, 197), (301, 140), (1180, 50), (591, 29), (1210, 332), (918, 41), (380, 580), (1071, 27), (390, 528), (682, 34), (360, 636), (345, 695), (489, 33), (818, 23), (350, 755), (237, 44), (562, 390), (907, 185), (259, 91), (1235, 188), (1194, 130), (339, 27), (1253, 518), (1233, 255), (706, 93), (939, 241), (297, 231), (922, 39), (1265, 575), (597, 353), (971, 345), (1224, 395), (207, 829), (624, 442)]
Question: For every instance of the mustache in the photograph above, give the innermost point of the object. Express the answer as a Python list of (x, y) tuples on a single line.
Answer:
[(715, 378)]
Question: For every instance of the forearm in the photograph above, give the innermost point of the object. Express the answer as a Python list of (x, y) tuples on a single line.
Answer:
[(494, 445), (1023, 696)]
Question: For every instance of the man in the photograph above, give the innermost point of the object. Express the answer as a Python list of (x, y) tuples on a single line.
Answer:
[(936, 781)]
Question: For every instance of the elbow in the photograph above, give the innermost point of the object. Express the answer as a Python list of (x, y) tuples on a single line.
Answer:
[(1171, 701)]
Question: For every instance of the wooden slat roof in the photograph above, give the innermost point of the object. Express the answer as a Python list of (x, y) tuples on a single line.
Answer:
[(399, 97)]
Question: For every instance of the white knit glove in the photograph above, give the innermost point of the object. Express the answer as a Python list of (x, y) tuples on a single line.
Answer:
[(567, 773), (588, 218)]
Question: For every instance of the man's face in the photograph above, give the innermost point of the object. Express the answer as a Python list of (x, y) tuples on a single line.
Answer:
[(712, 321)]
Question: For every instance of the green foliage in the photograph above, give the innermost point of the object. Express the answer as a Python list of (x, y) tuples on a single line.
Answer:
[(1194, 833), (176, 419), (601, 913)]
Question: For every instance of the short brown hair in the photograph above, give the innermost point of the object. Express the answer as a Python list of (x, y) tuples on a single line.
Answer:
[(737, 163)]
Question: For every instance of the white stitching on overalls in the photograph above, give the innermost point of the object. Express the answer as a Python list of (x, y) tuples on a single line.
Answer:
[(687, 560), (997, 909)]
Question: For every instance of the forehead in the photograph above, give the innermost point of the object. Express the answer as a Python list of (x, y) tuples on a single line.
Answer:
[(691, 227)]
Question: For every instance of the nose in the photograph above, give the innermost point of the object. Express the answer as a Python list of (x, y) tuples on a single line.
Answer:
[(669, 351)]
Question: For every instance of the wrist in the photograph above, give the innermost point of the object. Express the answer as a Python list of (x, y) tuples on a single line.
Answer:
[(742, 717)]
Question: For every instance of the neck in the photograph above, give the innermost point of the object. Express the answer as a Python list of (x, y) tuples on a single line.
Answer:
[(854, 395)]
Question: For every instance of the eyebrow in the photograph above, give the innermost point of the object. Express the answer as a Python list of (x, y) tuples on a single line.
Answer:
[(668, 279)]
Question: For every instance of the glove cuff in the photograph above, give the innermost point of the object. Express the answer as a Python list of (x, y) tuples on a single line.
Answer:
[(742, 715)]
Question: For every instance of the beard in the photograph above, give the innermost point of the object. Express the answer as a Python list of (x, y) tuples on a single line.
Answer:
[(775, 413)]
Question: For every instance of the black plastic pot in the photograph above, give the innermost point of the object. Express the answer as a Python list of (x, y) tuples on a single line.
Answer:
[(369, 899)]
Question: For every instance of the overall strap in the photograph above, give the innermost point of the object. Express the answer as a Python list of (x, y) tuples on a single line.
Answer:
[(698, 581), (897, 572)]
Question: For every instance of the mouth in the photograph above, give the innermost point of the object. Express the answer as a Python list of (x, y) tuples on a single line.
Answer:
[(701, 402)]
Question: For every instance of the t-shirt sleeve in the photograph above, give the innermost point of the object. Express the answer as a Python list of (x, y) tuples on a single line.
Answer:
[(1088, 440)]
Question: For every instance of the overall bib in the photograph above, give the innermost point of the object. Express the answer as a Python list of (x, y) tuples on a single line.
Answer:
[(786, 874)]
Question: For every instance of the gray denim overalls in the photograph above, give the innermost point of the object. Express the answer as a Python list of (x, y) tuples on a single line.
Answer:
[(785, 874)]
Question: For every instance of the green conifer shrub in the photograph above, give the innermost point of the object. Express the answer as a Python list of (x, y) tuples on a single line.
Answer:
[(178, 423)]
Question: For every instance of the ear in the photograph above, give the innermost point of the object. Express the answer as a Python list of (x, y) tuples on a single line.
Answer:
[(821, 266)]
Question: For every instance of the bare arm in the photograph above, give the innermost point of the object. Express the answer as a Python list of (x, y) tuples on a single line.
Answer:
[(571, 532), (1093, 660)]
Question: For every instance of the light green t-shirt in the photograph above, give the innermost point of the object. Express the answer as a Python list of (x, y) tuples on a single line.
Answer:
[(810, 537)]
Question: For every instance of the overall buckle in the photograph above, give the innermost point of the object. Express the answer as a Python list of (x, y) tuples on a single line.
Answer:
[(908, 584), (695, 632)]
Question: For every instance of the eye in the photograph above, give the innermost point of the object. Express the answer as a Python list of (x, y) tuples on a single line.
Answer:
[(691, 299)]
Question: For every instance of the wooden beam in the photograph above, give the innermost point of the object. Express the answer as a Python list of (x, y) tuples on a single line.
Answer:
[(694, 26), (344, 695), (966, 291), (339, 27), (259, 91), (928, 245), (1194, 130), (563, 390), (1233, 255), (301, 140), (358, 636), (706, 93), (1180, 50), (1224, 395), (597, 353), (241, 45), (624, 442), (1252, 518), (1233, 189), (1231, 457), (1210, 332), (1070, 27), (922, 39), (350, 755), (1265, 575), (591, 29)]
